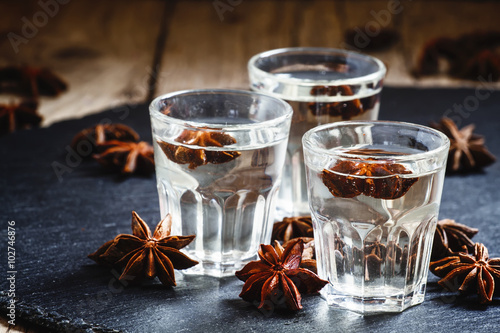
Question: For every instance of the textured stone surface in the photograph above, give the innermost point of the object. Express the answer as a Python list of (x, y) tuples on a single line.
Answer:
[(59, 222)]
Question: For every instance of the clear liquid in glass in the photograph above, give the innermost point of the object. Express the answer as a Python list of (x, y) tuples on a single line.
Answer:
[(292, 198), (228, 206), (375, 252)]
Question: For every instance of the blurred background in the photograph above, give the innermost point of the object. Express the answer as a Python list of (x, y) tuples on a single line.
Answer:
[(115, 52)]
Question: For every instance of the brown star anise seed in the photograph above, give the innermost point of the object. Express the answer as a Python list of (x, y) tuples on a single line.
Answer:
[(196, 157), (308, 260), (345, 109), (292, 227), (19, 116), (451, 237), (100, 133), (469, 272), (380, 180), (31, 81), (467, 150), (470, 56), (126, 157), (146, 255), (277, 274)]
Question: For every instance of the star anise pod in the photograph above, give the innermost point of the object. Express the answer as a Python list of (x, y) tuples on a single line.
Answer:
[(308, 260), (277, 274), (379, 180), (470, 56), (292, 227), (31, 81), (100, 133), (146, 255), (473, 272), (19, 116), (467, 150), (344, 109), (451, 237), (196, 157), (126, 157)]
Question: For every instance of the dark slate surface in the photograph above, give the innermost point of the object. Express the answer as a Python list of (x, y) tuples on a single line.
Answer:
[(59, 222)]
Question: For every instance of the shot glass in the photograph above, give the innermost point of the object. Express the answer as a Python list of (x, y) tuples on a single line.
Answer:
[(374, 192), (323, 86), (219, 157)]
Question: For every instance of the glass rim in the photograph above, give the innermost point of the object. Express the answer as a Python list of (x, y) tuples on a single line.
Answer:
[(378, 75), (376, 158), (155, 112)]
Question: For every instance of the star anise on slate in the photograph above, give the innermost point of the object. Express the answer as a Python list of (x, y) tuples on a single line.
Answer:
[(469, 272), (146, 255), (19, 116), (292, 227), (100, 133), (381, 180), (450, 237), (276, 275), (308, 260), (126, 157), (467, 150), (197, 157), (31, 81), (344, 109)]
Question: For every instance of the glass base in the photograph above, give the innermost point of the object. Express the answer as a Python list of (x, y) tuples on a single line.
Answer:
[(371, 305), (215, 269)]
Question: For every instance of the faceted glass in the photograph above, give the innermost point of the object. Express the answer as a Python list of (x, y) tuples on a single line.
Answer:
[(374, 192), (219, 156), (323, 86)]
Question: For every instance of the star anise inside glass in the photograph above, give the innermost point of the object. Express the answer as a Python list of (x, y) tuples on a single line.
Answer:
[(451, 237), (277, 275), (344, 109), (469, 272), (19, 116), (292, 227), (196, 157), (31, 81), (100, 133), (127, 157), (145, 255), (382, 180), (467, 150)]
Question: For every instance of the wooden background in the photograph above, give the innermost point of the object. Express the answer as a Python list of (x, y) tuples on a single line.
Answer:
[(116, 52)]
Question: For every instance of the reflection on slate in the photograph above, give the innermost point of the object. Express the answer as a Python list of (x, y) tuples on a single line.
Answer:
[(61, 217)]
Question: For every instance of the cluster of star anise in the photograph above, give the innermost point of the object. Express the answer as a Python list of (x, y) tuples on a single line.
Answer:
[(196, 157), (29, 83), (297, 227), (470, 56), (467, 149), (145, 255), (116, 147)]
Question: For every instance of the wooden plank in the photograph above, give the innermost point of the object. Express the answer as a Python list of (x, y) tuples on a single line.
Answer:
[(369, 17), (104, 49), (209, 47), (425, 20)]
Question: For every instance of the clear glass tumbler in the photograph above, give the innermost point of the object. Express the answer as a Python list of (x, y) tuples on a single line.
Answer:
[(374, 192), (219, 157), (323, 86)]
